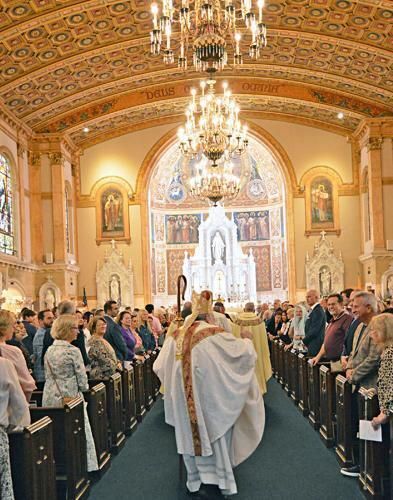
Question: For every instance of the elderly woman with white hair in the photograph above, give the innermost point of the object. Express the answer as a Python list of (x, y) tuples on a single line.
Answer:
[(296, 331), (65, 375)]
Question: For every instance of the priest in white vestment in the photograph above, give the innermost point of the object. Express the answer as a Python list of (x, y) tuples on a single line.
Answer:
[(212, 398)]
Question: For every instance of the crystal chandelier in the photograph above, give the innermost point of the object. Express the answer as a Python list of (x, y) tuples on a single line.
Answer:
[(213, 127), (214, 183), (209, 24)]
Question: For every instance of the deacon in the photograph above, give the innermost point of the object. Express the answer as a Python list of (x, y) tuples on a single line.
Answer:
[(248, 320), (211, 398)]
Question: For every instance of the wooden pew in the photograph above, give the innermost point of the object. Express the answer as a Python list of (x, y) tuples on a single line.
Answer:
[(314, 416), (273, 357), (343, 421), (114, 409), (286, 370), (32, 461), (303, 384), (293, 376), (155, 379), (139, 391), (374, 456), (69, 447), (327, 396), (281, 362), (96, 410), (128, 389), (148, 381)]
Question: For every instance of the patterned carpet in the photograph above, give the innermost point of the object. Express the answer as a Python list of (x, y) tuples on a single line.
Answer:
[(290, 463)]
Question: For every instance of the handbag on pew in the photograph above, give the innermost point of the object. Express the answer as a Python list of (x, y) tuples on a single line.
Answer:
[(64, 399)]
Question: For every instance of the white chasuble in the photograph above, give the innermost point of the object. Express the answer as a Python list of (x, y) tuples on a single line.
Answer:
[(213, 401)]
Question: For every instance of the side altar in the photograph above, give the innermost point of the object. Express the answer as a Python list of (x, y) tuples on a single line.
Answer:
[(219, 263)]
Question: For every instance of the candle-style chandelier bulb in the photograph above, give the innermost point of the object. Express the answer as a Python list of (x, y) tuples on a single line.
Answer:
[(210, 28)]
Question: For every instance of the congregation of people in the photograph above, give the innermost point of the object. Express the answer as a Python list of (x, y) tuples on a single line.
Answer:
[(59, 350)]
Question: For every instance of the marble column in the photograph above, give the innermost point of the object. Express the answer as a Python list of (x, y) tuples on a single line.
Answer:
[(58, 208)]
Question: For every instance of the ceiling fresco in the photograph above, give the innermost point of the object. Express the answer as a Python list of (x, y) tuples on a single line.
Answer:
[(66, 64)]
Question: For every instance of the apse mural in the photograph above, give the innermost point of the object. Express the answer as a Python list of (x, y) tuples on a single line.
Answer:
[(112, 213), (258, 212), (321, 202)]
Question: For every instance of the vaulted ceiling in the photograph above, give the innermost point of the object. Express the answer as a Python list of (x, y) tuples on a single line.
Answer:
[(66, 64)]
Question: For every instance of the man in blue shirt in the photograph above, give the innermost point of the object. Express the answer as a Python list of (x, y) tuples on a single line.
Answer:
[(45, 320)]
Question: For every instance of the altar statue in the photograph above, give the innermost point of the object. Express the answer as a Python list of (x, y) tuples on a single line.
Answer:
[(218, 246), (49, 299), (114, 289)]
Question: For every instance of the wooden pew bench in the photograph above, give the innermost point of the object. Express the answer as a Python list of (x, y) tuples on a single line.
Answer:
[(303, 384), (327, 386), (314, 415), (69, 447), (96, 410), (293, 382), (148, 381), (139, 391), (129, 409), (343, 421), (32, 461), (374, 456), (114, 410)]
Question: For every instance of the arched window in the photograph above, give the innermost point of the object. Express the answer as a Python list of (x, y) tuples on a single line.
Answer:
[(7, 241)]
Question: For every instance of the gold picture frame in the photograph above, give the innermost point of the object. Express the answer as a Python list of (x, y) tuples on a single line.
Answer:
[(321, 189), (112, 214)]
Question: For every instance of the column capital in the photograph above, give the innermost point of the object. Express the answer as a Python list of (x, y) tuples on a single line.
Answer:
[(34, 158), (374, 143), (56, 158)]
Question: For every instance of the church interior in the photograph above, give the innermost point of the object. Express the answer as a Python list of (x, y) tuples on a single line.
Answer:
[(102, 197)]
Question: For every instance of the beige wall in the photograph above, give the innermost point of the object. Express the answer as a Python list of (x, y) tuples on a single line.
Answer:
[(306, 147)]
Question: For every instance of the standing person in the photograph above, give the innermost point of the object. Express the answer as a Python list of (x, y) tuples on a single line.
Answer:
[(14, 354), (156, 324), (314, 328), (125, 321), (14, 411), (45, 320), (381, 331), (103, 360), (113, 331), (145, 333), (211, 398), (350, 333), (66, 375), (362, 367), (333, 343), (29, 319), (249, 321)]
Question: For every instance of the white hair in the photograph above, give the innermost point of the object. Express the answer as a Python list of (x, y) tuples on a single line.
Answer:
[(369, 299)]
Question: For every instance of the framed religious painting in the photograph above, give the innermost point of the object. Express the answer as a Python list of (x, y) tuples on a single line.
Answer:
[(321, 201), (112, 216)]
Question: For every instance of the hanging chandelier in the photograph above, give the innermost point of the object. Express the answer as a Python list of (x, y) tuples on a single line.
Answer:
[(214, 183), (213, 127), (207, 26)]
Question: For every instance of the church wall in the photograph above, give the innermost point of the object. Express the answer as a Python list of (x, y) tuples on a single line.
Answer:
[(308, 147), (120, 157), (90, 253)]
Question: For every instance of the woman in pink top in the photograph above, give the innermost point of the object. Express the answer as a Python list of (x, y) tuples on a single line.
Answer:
[(14, 354)]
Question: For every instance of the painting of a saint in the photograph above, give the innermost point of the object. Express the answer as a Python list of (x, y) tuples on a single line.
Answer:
[(112, 213), (252, 226), (321, 202), (182, 228)]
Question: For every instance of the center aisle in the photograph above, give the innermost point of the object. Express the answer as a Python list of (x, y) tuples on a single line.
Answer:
[(290, 463)]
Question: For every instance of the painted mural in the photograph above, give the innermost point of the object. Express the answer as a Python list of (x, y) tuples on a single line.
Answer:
[(252, 226), (182, 229), (112, 213), (321, 202)]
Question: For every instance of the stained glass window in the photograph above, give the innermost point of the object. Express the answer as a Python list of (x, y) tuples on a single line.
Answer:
[(6, 208)]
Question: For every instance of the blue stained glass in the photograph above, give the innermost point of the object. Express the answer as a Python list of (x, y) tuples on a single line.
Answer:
[(6, 208)]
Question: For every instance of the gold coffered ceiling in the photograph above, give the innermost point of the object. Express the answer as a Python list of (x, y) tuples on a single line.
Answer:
[(67, 64)]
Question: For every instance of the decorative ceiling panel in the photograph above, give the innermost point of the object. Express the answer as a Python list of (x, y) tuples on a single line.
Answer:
[(58, 55)]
